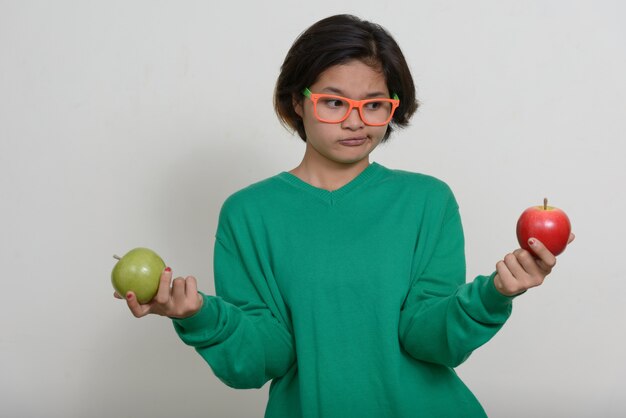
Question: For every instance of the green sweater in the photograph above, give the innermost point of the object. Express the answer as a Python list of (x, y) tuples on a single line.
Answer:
[(352, 302)]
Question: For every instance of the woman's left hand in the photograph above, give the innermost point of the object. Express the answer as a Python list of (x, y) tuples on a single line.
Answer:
[(521, 270)]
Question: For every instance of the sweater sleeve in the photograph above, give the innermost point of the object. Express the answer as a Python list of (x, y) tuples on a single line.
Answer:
[(443, 318), (241, 333)]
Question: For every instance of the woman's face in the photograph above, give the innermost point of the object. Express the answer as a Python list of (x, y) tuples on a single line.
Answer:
[(350, 141)]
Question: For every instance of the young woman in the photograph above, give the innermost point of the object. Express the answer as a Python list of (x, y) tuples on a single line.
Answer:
[(342, 281)]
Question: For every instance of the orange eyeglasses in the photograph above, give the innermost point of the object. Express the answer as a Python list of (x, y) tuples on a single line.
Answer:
[(329, 108)]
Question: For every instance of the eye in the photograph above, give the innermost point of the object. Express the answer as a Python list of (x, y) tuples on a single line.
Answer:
[(333, 103), (373, 105)]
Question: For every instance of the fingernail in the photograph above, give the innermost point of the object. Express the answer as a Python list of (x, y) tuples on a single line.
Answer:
[(532, 242), (129, 296), (168, 269)]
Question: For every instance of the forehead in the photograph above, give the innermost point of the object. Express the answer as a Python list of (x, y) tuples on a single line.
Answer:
[(353, 77)]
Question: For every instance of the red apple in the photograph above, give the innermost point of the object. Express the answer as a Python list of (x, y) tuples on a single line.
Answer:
[(548, 224)]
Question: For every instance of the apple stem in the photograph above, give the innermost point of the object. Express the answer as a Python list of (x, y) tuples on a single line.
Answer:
[(117, 257), (545, 203)]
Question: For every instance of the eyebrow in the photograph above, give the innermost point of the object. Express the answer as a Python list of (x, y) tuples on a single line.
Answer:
[(339, 92)]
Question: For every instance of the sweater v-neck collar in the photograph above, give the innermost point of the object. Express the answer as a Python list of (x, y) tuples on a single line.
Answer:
[(331, 197)]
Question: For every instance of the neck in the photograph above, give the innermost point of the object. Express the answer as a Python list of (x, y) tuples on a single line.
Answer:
[(329, 175)]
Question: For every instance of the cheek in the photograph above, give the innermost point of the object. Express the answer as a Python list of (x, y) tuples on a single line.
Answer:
[(313, 127), (378, 133), (319, 131), (308, 118)]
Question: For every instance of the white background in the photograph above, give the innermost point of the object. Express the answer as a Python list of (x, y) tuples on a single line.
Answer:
[(127, 123)]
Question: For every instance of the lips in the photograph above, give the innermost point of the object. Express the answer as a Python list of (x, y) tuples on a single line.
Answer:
[(353, 142)]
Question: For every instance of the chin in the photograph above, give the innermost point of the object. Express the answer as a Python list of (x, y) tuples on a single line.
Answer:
[(353, 160)]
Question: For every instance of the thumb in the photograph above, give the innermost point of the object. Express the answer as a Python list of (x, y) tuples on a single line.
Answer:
[(137, 309)]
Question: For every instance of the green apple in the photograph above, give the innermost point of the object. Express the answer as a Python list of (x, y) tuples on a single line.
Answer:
[(138, 271)]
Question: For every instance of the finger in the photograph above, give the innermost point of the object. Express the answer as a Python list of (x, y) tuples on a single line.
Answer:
[(571, 238), (504, 280), (191, 291), (137, 309), (540, 250), (513, 265), (528, 262), (117, 295), (191, 286), (178, 289), (163, 293)]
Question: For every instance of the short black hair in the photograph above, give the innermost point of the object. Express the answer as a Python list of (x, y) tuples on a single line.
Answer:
[(333, 41)]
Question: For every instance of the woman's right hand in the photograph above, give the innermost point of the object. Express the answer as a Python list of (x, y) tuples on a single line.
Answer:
[(180, 300)]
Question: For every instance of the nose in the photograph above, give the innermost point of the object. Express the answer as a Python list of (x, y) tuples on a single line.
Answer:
[(353, 121)]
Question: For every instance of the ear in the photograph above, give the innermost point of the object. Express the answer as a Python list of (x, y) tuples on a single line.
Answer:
[(296, 102)]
